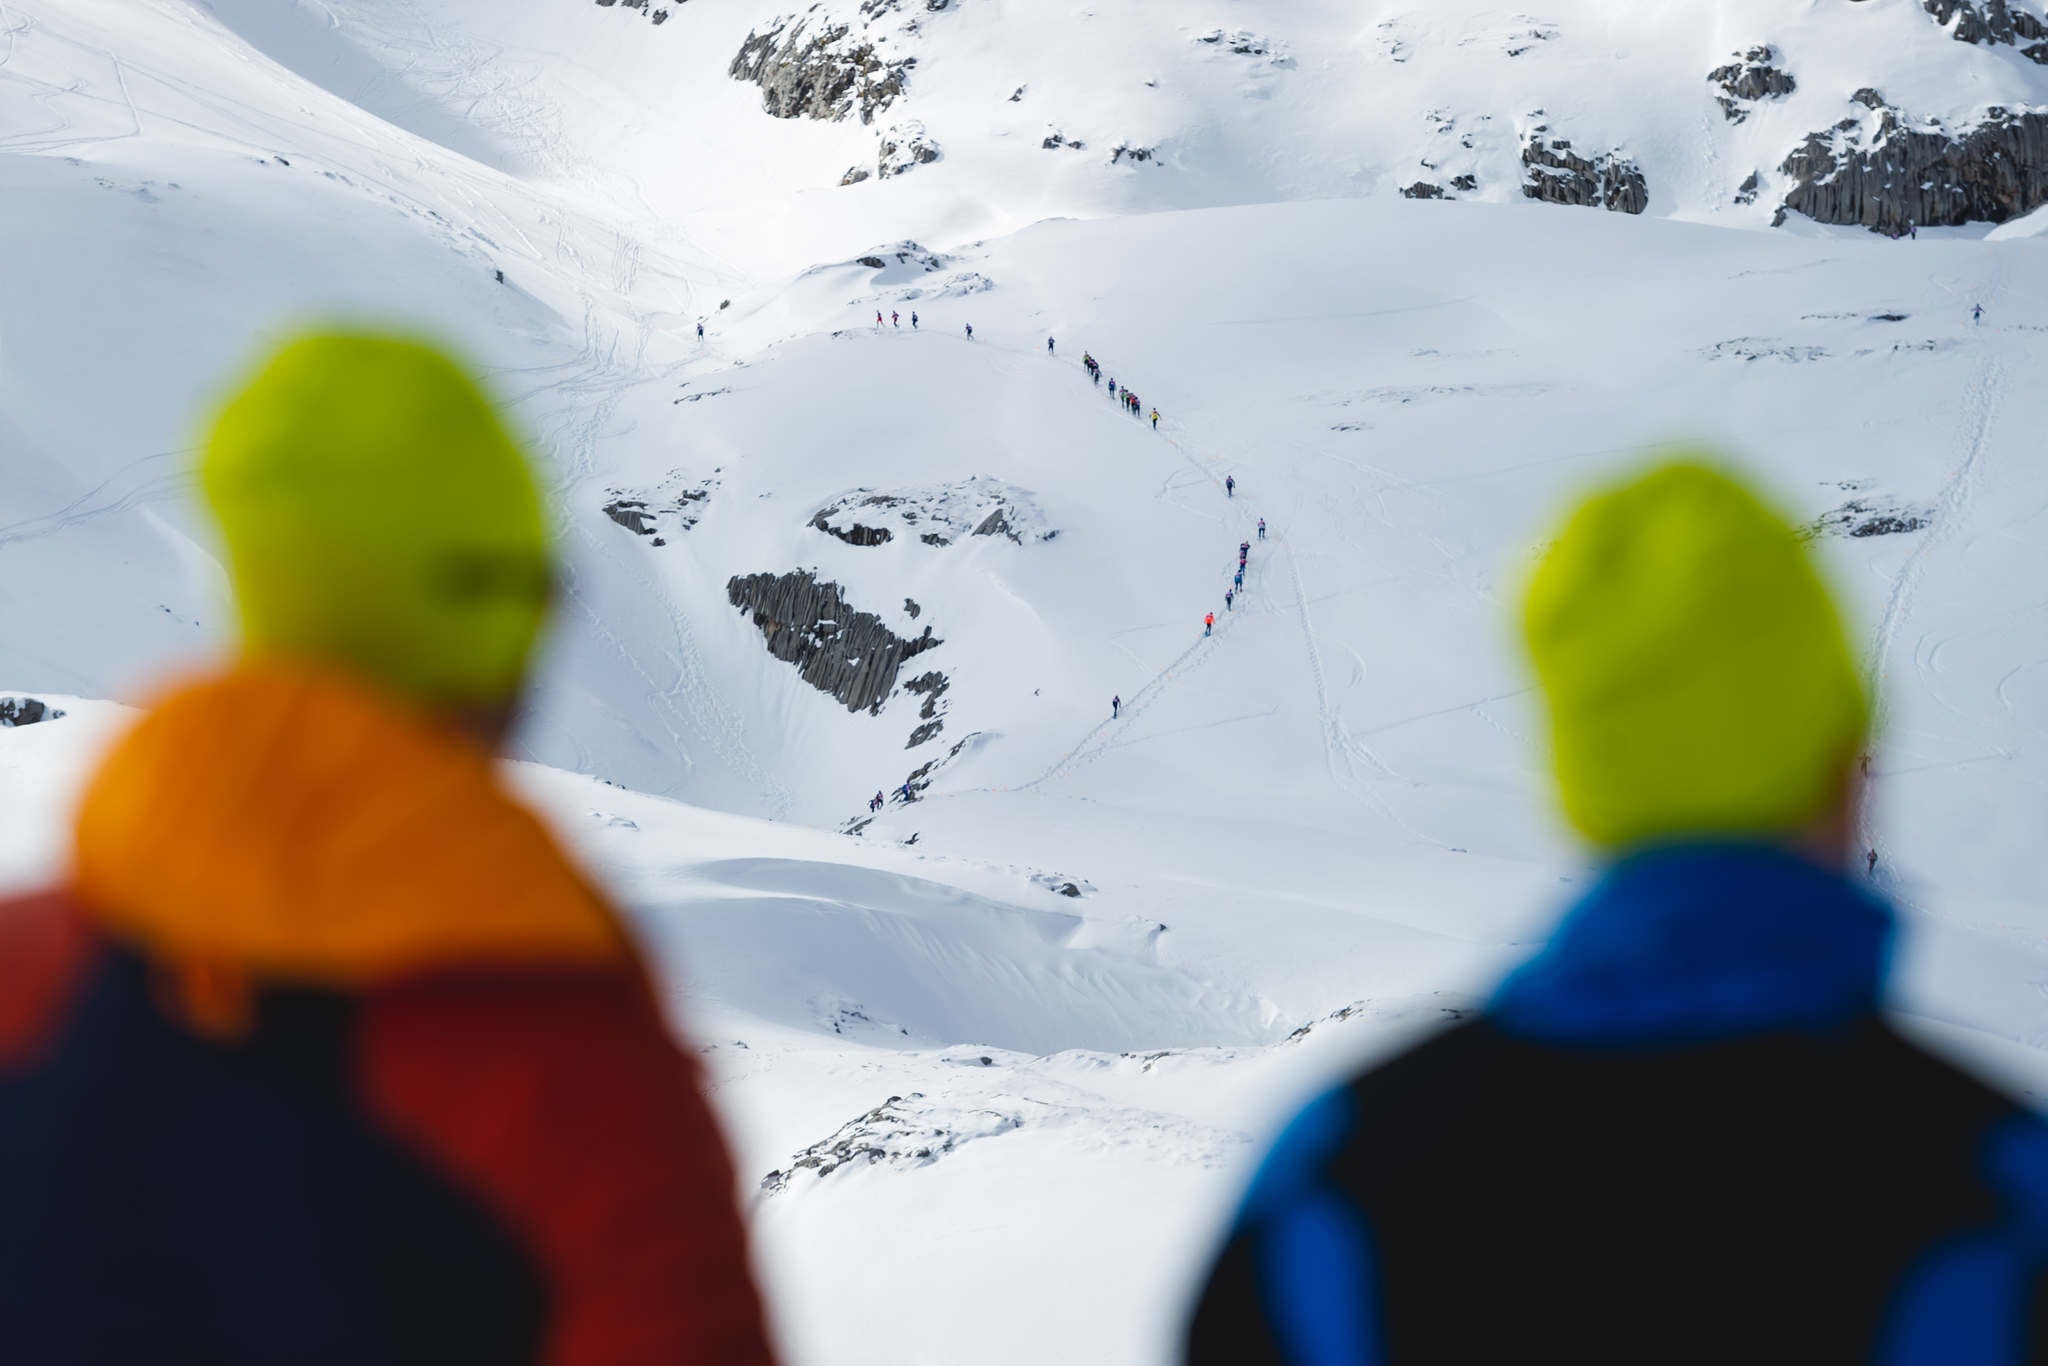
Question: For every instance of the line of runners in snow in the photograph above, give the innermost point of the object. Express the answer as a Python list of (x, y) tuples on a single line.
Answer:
[(1136, 408)]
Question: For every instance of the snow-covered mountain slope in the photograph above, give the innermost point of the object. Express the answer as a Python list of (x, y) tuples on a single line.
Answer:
[(1030, 109), (992, 1062)]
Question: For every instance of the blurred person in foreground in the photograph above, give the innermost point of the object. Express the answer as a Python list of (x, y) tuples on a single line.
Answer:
[(1682, 1131), (325, 1052)]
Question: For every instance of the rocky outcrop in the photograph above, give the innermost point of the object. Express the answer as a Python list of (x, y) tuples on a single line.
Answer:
[(656, 15), (26, 711), (672, 509), (1889, 174), (847, 653), (905, 147), (903, 1132), (1125, 152), (935, 516), (1422, 189), (813, 67), (1556, 174), (1992, 23), (1754, 76), (932, 688), (1862, 517)]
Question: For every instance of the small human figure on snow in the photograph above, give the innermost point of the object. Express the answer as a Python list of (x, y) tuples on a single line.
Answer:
[(1116, 707), (1209, 624), (1230, 486), (1262, 528)]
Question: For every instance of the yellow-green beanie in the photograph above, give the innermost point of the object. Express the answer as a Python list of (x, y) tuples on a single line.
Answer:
[(379, 516), (1699, 678)]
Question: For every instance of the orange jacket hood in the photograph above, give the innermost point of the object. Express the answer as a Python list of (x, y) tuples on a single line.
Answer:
[(297, 827)]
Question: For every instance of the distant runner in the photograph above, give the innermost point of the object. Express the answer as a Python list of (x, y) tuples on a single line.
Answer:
[(1155, 419), (970, 331), (1230, 486), (1262, 528), (1048, 346), (1208, 623), (1116, 707)]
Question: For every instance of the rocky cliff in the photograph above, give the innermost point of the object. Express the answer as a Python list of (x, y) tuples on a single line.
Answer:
[(815, 67), (1890, 174), (1556, 174), (850, 654)]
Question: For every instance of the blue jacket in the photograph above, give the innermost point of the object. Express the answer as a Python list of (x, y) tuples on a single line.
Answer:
[(1681, 1132)]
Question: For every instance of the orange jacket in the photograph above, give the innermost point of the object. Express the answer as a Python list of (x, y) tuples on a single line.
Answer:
[(403, 1065)]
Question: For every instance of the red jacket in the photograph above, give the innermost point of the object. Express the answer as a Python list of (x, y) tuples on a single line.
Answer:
[(326, 1053)]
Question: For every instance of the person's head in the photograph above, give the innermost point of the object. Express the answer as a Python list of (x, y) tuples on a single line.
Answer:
[(379, 518), (1698, 677)]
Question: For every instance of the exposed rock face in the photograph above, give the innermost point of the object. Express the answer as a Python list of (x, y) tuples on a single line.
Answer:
[(935, 516), (1125, 152), (1554, 173), (932, 688), (673, 508), (1750, 188), (814, 67), (26, 711), (1992, 23), (850, 654), (1890, 176), (1056, 139), (1861, 517), (903, 1132), (654, 15), (1755, 75), (1243, 42), (905, 147), (1422, 189)]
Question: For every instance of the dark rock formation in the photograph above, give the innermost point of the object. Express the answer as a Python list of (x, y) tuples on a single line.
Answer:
[(1753, 76), (1553, 173), (954, 512), (1466, 183), (850, 654), (903, 148), (1860, 517), (932, 687), (1890, 175), (1127, 153), (26, 711), (644, 514), (1422, 189), (1750, 188), (654, 16), (819, 68), (1243, 42), (1056, 139), (855, 175), (911, 609), (904, 1132), (854, 534), (1992, 23)]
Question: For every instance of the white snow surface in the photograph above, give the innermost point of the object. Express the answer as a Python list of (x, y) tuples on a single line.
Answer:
[(1331, 814)]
